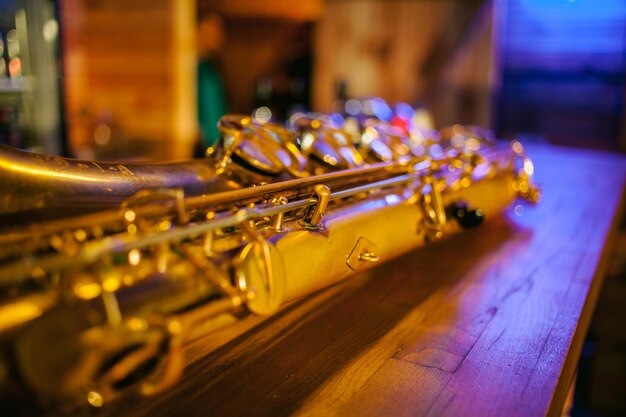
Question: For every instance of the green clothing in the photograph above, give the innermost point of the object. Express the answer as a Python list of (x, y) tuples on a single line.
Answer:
[(211, 101)]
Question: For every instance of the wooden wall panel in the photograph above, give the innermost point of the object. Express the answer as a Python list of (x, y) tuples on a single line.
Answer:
[(254, 49), (437, 52), (376, 47), (133, 65), (259, 38), (302, 10), (183, 88)]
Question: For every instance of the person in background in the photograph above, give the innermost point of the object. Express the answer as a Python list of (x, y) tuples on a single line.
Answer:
[(211, 99)]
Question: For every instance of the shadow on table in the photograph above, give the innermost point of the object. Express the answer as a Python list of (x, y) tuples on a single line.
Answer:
[(275, 366)]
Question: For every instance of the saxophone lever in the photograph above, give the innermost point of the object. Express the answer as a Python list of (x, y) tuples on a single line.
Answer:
[(260, 273), (363, 253), (313, 219), (174, 362)]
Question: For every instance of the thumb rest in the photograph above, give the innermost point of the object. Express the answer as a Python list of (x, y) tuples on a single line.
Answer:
[(107, 270)]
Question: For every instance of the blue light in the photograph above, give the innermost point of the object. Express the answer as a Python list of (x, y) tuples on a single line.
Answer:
[(404, 111), (382, 110)]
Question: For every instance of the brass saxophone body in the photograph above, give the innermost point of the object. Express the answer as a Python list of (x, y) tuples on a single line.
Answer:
[(135, 260)]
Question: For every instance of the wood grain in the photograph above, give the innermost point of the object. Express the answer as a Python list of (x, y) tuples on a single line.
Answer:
[(130, 65), (487, 323)]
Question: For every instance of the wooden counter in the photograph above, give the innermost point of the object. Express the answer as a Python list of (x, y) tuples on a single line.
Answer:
[(487, 323)]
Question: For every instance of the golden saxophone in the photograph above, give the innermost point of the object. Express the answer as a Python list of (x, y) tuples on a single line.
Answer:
[(108, 269)]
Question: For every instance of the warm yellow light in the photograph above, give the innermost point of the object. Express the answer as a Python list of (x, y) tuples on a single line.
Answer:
[(137, 324), (87, 290), (111, 284), (16, 313), (307, 141), (263, 114), (174, 327), (369, 135), (517, 147), (472, 144), (80, 235), (128, 280), (523, 187), (529, 168), (130, 216), (423, 119), (331, 160), (45, 172), (95, 399), (134, 257)]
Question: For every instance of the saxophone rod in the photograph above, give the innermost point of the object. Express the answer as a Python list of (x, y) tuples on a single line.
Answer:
[(223, 197), (23, 268)]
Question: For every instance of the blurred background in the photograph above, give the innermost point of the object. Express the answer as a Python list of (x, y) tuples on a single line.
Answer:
[(148, 79)]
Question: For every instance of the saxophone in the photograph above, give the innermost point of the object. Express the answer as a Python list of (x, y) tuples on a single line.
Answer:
[(107, 270)]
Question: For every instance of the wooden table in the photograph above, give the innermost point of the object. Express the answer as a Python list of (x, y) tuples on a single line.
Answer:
[(487, 323)]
